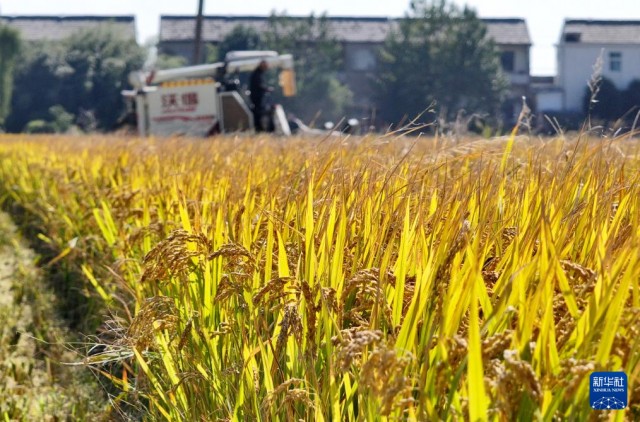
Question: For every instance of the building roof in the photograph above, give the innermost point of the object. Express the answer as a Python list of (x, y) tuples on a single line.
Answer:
[(512, 31), (344, 28), (37, 28), (360, 29), (587, 31)]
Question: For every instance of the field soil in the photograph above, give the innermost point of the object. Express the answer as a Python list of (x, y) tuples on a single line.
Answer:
[(35, 381)]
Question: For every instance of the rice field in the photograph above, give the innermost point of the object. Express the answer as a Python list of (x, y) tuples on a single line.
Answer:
[(379, 278)]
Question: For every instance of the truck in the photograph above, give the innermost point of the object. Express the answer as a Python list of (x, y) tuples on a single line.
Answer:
[(204, 100)]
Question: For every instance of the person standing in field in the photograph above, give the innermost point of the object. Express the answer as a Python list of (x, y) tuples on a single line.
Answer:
[(258, 89)]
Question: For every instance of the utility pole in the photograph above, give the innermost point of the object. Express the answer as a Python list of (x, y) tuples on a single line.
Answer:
[(198, 42)]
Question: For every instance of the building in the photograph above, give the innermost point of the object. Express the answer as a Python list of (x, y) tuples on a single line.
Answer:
[(512, 39), (361, 38), (55, 28), (613, 44), (548, 96)]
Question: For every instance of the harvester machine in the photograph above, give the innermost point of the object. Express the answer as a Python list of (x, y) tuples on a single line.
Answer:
[(206, 99)]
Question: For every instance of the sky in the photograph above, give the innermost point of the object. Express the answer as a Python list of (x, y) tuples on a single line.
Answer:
[(544, 17)]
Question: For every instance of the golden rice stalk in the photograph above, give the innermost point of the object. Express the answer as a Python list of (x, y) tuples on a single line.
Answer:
[(383, 375), (157, 314)]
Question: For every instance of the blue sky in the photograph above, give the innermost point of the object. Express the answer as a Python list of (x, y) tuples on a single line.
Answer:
[(544, 17)]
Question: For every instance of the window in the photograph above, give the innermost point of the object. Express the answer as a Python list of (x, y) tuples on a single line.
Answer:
[(615, 61), (361, 59), (507, 59), (572, 37)]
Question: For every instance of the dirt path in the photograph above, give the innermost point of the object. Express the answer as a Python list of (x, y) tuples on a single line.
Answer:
[(34, 386)]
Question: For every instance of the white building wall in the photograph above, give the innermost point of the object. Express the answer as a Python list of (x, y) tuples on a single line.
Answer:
[(521, 60), (548, 101), (576, 66), (520, 74)]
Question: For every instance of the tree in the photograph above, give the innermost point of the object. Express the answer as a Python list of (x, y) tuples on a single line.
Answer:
[(632, 99), (60, 122), (9, 50), (102, 60), (318, 57), (605, 103), (166, 61), (241, 38), (38, 75), (439, 54), (84, 74)]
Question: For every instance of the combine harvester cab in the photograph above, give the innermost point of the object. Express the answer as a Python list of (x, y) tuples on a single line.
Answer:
[(201, 100)]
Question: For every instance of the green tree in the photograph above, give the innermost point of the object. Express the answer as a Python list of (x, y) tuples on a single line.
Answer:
[(101, 60), (166, 61), (9, 50), (158, 60), (632, 99), (39, 72), (439, 54), (318, 57), (84, 74), (241, 38), (605, 103)]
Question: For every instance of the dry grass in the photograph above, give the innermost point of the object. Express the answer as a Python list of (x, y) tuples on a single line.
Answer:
[(357, 279), (35, 385)]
